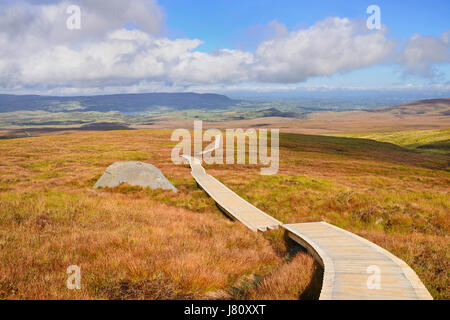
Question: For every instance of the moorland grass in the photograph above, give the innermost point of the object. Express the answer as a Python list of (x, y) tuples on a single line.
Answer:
[(437, 141), (135, 243)]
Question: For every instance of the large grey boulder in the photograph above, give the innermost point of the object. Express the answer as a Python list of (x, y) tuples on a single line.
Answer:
[(134, 173)]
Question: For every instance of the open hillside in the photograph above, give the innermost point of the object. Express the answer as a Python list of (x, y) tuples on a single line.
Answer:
[(138, 243), (420, 107), (427, 116), (405, 134), (22, 116), (436, 141), (126, 103)]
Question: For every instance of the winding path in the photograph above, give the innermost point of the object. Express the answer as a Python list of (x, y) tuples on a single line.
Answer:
[(233, 205), (354, 268)]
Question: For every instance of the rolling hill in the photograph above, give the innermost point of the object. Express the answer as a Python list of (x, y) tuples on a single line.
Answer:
[(419, 107), (126, 103), (135, 243)]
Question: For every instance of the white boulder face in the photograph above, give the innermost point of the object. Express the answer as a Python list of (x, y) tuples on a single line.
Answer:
[(134, 173)]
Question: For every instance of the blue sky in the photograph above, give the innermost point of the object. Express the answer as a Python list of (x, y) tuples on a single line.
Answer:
[(220, 22), (228, 23), (222, 46)]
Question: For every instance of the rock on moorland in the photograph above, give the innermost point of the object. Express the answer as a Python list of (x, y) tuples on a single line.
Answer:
[(134, 173)]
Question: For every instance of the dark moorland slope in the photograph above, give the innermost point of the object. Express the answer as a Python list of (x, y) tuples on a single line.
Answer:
[(126, 103), (428, 106)]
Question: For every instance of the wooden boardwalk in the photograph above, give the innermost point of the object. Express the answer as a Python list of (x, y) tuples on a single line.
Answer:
[(354, 268), (351, 265), (233, 205)]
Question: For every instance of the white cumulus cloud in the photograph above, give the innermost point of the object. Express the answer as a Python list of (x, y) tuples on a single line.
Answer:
[(330, 46), (121, 45), (423, 53)]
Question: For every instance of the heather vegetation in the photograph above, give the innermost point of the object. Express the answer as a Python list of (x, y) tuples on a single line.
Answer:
[(134, 243), (436, 141)]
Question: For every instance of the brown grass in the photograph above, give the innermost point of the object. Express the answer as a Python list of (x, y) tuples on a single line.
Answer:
[(326, 122), (395, 197), (130, 243), (133, 243)]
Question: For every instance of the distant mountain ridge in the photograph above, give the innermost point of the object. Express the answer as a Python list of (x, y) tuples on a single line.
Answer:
[(427, 107), (127, 103)]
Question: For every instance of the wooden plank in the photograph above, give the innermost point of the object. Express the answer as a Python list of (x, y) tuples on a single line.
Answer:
[(348, 260), (349, 257), (233, 205)]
